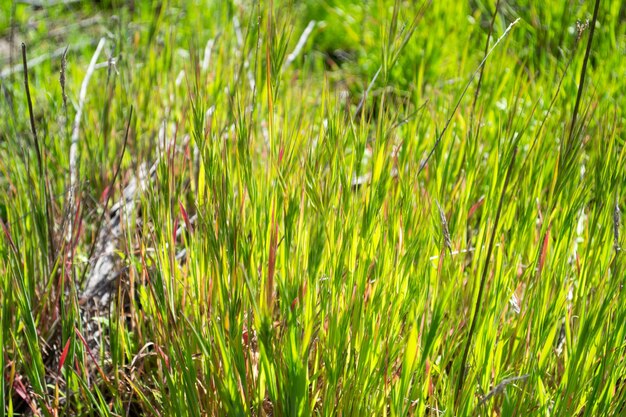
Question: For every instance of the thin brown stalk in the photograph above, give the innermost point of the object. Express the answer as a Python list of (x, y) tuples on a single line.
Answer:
[(40, 162), (30, 111), (62, 78)]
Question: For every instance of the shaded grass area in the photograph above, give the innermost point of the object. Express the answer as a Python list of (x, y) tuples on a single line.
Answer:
[(313, 208)]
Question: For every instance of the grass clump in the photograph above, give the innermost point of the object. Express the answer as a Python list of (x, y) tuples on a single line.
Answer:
[(313, 208)]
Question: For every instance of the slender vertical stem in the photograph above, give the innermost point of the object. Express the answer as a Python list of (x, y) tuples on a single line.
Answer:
[(460, 98), (30, 111), (482, 68), (581, 83), (483, 279), (106, 202)]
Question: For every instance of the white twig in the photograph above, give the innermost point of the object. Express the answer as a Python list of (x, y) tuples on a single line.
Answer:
[(240, 44), (501, 386), (208, 49), (75, 132), (458, 102), (105, 264), (47, 3), (617, 218), (458, 252), (81, 24), (367, 91), (454, 252), (301, 42), (37, 60), (109, 63)]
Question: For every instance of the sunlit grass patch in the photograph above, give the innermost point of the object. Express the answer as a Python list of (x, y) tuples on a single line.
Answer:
[(312, 208)]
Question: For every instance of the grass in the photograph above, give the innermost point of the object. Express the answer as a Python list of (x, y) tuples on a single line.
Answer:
[(312, 208)]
